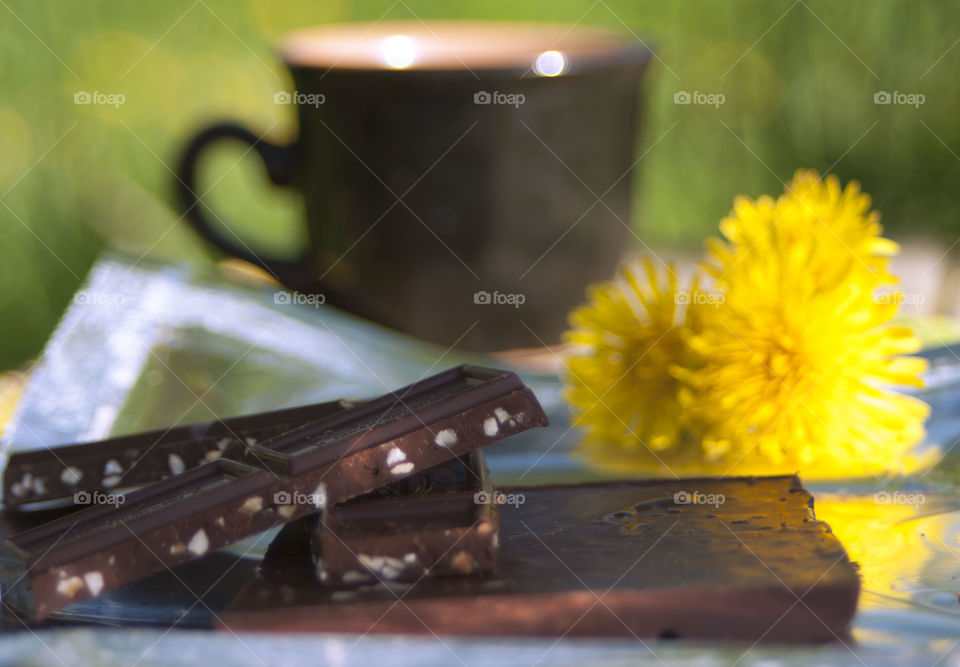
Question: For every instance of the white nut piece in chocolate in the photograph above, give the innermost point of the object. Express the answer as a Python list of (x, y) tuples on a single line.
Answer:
[(199, 543), (176, 464), (252, 505), (94, 582), (395, 456), (319, 497), (71, 475), (446, 438), (402, 468), (70, 587)]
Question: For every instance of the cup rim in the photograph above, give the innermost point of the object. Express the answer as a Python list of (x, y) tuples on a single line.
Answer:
[(455, 47)]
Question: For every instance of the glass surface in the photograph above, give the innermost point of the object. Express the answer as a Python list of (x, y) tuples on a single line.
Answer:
[(151, 346)]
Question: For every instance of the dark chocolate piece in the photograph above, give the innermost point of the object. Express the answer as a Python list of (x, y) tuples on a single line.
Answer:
[(133, 460), (183, 517), (443, 522), (695, 558)]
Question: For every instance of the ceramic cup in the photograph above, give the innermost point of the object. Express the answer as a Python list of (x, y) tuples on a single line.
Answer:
[(463, 181)]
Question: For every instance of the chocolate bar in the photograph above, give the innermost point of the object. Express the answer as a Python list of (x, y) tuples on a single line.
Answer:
[(55, 473), (443, 521), (289, 476), (741, 559)]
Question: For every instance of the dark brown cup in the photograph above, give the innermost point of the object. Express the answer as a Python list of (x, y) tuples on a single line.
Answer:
[(463, 181)]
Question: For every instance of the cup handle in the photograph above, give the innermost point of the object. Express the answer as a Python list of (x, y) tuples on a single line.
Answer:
[(278, 161)]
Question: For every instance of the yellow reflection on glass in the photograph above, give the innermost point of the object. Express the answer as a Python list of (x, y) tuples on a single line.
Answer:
[(890, 541), (550, 63), (399, 51)]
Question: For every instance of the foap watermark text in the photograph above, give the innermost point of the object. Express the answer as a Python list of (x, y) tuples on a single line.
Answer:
[(697, 498), (896, 97), (899, 498), (485, 298), (298, 98), (696, 97), (698, 298), (84, 297), (284, 298), (316, 499), (498, 498), (900, 299), (96, 97), (98, 498), (496, 97)]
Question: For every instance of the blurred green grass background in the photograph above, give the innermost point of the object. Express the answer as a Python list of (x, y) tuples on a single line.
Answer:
[(799, 79)]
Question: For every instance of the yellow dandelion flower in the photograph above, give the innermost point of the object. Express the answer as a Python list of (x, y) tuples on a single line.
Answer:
[(790, 367), (804, 387), (815, 229), (621, 381), (799, 357)]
